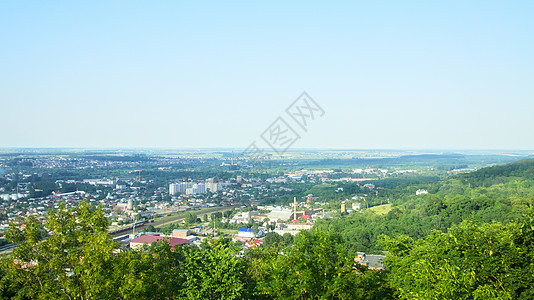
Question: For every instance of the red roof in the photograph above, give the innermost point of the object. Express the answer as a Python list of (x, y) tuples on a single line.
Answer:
[(149, 239), (254, 243)]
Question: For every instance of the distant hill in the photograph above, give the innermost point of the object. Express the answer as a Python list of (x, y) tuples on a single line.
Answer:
[(432, 156), (522, 169)]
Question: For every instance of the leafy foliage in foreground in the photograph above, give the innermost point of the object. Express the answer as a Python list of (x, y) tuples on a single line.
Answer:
[(78, 260), (488, 261), (75, 260), (316, 266)]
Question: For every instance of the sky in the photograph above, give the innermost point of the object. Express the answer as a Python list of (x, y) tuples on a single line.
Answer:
[(199, 74)]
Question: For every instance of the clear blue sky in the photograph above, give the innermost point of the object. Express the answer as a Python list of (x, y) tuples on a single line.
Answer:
[(389, 74)]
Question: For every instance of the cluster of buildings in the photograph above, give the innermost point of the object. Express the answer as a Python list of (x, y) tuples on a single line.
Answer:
[(193, 188), (13, 196), (114, 161)]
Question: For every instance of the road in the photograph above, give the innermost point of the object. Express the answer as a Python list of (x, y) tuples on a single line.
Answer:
[(7, 247), (171, 219)]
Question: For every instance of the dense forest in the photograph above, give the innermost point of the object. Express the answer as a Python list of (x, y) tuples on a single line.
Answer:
[(471, 237)]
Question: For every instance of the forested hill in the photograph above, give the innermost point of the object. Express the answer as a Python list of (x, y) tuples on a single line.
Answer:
[(498, 193), (494, 194), (488, 247), (519, 170)]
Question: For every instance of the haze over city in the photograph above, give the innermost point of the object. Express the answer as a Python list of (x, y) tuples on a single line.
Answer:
[(411, 74)]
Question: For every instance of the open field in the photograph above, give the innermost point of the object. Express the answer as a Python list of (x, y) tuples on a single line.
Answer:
[(381, 209)]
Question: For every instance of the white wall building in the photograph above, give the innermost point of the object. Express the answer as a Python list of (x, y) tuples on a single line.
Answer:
[(180, 187), (191, 188)]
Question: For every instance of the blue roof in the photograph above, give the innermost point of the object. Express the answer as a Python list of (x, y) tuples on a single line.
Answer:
[(246, 230)]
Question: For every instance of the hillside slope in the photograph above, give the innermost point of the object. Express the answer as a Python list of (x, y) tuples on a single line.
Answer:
[(494, 194)]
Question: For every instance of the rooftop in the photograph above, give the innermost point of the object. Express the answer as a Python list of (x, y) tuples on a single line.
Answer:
[(149, 239), (371, 261)]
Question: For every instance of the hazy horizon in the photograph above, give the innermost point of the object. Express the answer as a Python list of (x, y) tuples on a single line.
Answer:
[(267, 150)]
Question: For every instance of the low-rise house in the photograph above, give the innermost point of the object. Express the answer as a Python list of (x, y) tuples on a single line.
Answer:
[(254, 243), (246, 233), (193, 239), (280, 214), (421, 192), (299, 226), (181, 233), (373, 262)]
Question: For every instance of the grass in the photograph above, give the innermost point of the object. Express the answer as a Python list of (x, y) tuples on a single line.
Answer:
[(381, 209), (229, 231)]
